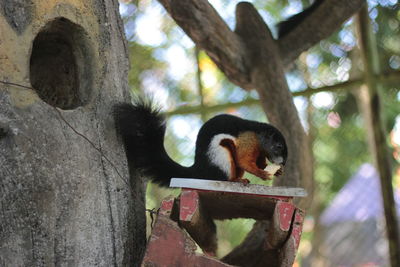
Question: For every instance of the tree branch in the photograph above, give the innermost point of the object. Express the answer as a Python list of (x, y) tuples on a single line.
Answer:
[(268, 78), (326, 19), (206, 28), (251, 251)]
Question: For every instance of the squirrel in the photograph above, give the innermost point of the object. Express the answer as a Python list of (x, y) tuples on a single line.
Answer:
[(226, 146)]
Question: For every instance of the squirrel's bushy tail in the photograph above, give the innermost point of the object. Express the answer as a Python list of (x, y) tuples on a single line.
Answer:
[(142, 129)]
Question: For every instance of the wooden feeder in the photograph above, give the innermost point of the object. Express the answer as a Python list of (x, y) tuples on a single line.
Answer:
[(188, 219)]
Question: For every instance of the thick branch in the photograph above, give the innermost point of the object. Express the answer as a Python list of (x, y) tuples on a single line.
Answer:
[(326, 19), (269, 80), (206, 28), (251, 251)]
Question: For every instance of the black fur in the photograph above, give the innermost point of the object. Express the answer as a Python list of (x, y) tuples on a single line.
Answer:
[(288, 25), (142, 130), (233, 125)]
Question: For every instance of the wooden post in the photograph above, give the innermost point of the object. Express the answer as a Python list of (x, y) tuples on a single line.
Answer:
[(382, 159)]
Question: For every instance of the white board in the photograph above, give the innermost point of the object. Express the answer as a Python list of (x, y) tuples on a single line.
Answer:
[(235, 187)]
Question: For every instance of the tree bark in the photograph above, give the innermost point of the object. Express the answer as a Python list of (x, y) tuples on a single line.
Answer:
[(64, 193), (318, 26), (269, 80), (268, 77)]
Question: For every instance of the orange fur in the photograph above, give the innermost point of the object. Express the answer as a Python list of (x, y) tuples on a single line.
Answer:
[(247, 152), (236, 171)]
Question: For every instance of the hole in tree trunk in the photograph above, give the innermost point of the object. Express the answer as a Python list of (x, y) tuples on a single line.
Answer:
[(60, 64)]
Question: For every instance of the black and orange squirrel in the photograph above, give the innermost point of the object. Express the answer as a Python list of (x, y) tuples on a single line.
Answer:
[(226, 146)]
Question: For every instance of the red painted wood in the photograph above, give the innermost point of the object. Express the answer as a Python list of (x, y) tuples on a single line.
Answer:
[(166, 206), (288, 252), (279, 227), (189, 204), (196, 221), (298, 227), (285, 215), (170, 245)]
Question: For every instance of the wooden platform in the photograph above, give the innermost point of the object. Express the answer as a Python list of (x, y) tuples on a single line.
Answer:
[(189, 219)]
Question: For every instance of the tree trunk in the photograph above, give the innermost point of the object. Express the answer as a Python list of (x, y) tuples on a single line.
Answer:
[(64, 194)]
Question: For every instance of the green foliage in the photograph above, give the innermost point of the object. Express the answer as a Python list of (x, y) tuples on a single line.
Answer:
[(388, 34), (338, 153), (141, 59)]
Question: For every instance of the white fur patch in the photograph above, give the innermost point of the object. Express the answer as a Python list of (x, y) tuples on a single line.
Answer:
[(219, 155), (278, 160)]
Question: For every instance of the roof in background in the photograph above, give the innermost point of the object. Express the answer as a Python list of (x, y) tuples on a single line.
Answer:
[(359, 199)]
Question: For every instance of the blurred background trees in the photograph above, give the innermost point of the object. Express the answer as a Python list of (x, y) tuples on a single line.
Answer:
[(325, 81)]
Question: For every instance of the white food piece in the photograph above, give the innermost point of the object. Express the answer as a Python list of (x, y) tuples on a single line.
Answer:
[(272, 168)]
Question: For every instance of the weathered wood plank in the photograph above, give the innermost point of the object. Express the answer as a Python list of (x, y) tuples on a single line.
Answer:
[(225, 186)]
